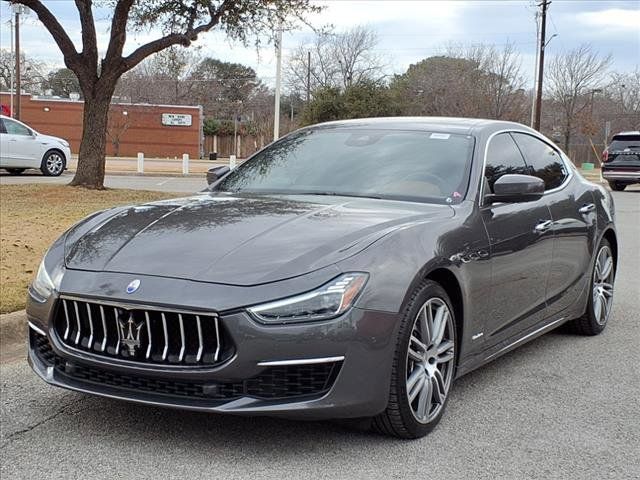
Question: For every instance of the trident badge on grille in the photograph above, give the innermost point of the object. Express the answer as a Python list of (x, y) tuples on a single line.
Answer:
[(130, 333)]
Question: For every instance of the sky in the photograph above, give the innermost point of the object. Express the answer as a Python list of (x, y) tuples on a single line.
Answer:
[(408, 31)]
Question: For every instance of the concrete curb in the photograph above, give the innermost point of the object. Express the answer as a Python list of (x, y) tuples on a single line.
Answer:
[(13, 328)]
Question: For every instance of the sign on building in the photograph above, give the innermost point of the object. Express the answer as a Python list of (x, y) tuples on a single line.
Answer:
[(176, 119)]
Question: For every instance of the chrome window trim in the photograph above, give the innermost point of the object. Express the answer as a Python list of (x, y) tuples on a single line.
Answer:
[(304, 361), (540, 137)]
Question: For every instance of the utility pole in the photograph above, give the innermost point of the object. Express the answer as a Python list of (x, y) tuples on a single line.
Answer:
[(308, 76), (17, 10), (13, 71), (543, 29), (535, 73), (276, 114)]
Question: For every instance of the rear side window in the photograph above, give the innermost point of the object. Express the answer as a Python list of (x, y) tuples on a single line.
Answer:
[(542, 160), (2, 129), (503, 157), (621, 142)]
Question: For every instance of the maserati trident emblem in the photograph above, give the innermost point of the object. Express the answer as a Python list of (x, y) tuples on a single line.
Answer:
[(133, 286), (130, 334)]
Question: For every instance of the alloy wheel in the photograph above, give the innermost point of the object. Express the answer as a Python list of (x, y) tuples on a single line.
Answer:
[(430, 360), (54, 164), (603, 285)]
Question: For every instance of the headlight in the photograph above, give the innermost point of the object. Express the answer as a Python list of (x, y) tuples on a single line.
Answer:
[(43, 284), (64, 143), (328, 301)]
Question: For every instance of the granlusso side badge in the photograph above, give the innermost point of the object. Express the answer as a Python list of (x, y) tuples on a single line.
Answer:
[(133, 286)]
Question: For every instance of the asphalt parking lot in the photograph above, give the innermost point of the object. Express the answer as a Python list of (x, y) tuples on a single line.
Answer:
[(561, 407)]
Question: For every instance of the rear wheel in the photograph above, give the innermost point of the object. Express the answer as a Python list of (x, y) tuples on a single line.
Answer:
[(617, 186), (53, 164), (601, 299), (15, 171), (423, 365)]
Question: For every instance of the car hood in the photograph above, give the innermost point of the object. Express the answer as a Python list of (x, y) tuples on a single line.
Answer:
[(237, 240), (48, 139)]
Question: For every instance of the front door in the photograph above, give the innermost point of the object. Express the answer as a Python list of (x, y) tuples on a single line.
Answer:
[(521, 249)]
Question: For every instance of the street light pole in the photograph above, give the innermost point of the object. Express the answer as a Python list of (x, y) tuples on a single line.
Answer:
[(276, 114), (17, 10)]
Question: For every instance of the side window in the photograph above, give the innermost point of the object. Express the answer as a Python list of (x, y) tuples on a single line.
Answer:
[(14, 128), (503, 157), (543, 161), (2, 130)]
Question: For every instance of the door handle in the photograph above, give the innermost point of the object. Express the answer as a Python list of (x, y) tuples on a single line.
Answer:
[(586, 208), (543, 226)]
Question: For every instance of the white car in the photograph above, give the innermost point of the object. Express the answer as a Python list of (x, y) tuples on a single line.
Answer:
[(21, 147)]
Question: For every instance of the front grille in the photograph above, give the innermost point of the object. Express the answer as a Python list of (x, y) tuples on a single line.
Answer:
[(142, 335), (273, 383)]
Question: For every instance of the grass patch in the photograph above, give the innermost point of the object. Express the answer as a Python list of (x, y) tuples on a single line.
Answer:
[(33, 216)]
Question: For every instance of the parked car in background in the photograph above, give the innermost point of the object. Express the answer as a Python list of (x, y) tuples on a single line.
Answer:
[(621, 160), (350, 269), (21, 147)]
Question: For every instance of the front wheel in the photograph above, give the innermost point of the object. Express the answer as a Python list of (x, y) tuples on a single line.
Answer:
[(53, 164), (617, 186), (423, 365), (601, 299)]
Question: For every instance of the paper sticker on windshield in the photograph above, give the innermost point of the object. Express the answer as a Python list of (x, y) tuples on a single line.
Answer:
[(440, 136)]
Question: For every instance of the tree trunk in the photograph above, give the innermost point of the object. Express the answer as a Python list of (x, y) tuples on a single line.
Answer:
[(91, 159)]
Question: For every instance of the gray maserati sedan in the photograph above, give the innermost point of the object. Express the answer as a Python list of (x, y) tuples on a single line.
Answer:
[(349, 270)]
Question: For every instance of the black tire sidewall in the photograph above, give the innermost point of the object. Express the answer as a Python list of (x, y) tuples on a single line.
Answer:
[(43, 166), (597, 328), (427, 290)]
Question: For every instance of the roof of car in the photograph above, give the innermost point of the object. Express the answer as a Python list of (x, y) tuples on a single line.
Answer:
[(448, 124)]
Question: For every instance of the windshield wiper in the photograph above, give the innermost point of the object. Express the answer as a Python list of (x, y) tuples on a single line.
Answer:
[(335, 194)]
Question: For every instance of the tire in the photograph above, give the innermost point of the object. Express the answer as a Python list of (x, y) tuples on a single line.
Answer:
[(414, 372), (600, 300), (53, 163), (15, 171), (617, 186)]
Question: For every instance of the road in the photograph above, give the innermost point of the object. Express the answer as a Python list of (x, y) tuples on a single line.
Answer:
[(563, 407), (187, 184)]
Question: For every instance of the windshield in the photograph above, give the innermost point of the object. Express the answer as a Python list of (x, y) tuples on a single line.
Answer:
[(393, 164)]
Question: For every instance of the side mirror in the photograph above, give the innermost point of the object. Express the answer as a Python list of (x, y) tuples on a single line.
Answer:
[(216, 173), (512, 188)]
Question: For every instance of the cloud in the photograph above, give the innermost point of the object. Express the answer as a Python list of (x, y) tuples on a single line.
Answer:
[(613, 18)]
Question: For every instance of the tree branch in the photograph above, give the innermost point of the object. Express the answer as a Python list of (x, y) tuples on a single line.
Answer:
[(71, 56), (89, 42), (183, 39), (118, 30)]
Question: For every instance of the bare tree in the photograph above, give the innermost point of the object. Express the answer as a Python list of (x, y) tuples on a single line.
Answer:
[(31, 72), (338, 60), (180, 21), (573, 78), (498, 83)]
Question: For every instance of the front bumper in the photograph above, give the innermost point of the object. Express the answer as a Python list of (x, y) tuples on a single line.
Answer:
[(354, 352)]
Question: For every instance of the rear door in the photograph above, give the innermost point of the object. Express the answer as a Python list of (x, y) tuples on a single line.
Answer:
[(574, 221), (521, 242)]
